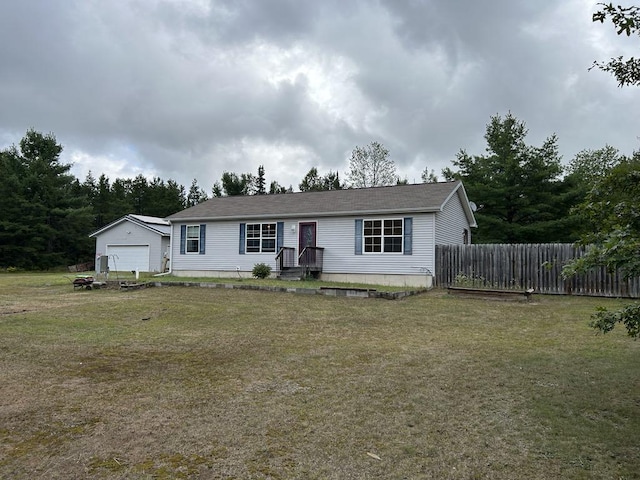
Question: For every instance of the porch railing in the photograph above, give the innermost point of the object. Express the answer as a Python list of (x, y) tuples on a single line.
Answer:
[(310, 259), (286, 258)]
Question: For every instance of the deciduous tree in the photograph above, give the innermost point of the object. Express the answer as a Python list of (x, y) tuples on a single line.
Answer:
[(371, 166), (429, 176), (626, 20), (584, 171), (612, 206), (590, 166)]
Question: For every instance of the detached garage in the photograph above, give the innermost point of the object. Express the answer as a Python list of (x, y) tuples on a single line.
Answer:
[(133, 242)]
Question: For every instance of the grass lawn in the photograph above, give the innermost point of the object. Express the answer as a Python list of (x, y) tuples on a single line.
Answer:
[(178, 382)]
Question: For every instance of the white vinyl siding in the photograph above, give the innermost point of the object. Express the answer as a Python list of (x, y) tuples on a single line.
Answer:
[(451, 223), (335, 235), (221, 247)]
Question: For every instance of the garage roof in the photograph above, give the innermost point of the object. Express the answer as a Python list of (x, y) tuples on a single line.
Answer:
[(155, 224)]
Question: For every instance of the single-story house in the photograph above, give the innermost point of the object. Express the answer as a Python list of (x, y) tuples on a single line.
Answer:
[(133, 242), (381, 235)]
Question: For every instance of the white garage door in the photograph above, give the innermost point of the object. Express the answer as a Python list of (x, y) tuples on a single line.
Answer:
[(128, 257)]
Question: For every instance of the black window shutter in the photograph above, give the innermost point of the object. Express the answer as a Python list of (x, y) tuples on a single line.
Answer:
[(243, 228), (358, 245), (203, 237), (183, 239), (279, 236), (408, 236)]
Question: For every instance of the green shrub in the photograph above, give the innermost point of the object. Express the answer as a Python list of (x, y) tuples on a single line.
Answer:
[(261, 270)]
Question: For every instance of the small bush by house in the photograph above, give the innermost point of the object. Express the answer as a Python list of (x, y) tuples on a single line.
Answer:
[(261, 270)]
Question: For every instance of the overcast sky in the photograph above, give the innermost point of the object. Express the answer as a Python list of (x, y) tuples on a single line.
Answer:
[(186, 89)]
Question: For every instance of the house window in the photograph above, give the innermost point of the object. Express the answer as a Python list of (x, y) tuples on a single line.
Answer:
[(383, 236), (193, 239), (261, 238)]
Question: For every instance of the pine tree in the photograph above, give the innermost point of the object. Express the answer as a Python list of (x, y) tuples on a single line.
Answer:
[(46, 219), (260, 182), (196, 195), (518, 187)]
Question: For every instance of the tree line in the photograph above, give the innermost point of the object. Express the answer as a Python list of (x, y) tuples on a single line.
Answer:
[(522, 192)]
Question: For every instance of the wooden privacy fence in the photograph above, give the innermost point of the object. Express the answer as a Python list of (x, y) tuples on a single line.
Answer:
[(523, 266)]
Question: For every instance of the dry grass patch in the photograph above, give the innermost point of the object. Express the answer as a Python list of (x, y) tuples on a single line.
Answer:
[(213, 383)]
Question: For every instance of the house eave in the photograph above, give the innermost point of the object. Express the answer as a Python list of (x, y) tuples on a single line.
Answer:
[(353, 213)]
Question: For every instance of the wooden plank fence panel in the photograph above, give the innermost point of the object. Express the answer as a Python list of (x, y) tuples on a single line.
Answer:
[(523, 266)]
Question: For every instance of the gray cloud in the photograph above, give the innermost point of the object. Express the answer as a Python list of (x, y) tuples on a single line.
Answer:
[(187, 88)]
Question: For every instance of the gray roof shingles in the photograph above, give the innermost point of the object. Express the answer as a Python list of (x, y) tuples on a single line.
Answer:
[(424, 197)]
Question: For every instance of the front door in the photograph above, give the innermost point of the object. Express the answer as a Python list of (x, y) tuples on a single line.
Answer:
[(307, 238)]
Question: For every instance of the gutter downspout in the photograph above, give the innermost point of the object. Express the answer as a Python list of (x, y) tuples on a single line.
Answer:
[(164, 273)]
